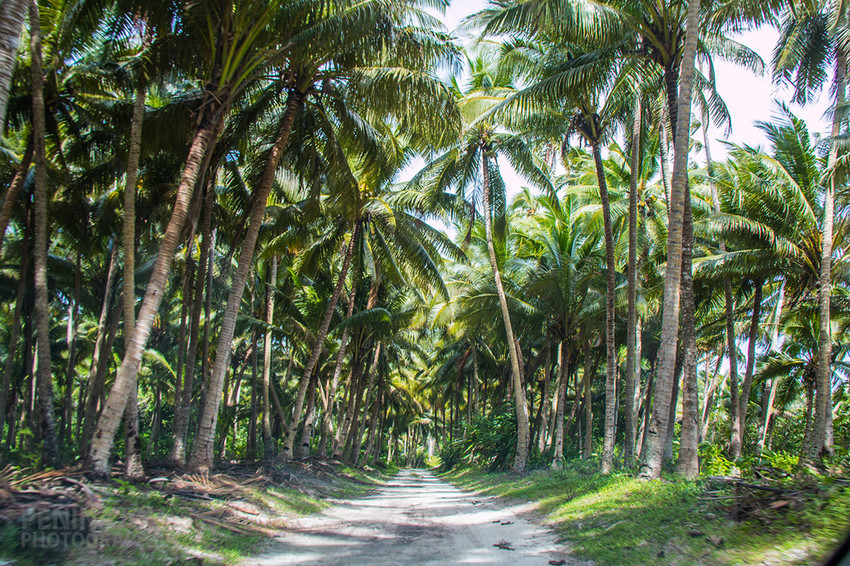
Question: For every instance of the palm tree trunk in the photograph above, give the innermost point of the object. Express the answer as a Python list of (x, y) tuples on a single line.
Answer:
[(44, 374), (15, 331), (95, 387), (653, 458), (610, 346), (543, 412), (353, 455), (202, 452), (183, 403), (251, 444), (747, 385), (823, 403), (563, 366), (15, 186), (268, 444), (289, 441), (303, 449), (133, 455), (327, 417), (729, 306), (589, 373), (632, 364), (516, 374), (353, 391), (688, 462), (12, 16), (110, 418)]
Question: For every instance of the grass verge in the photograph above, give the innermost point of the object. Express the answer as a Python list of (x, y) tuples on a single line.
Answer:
[(619, 520), (173, 519)]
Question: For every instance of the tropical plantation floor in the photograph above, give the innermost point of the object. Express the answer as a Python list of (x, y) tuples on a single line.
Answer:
[(312, 511)]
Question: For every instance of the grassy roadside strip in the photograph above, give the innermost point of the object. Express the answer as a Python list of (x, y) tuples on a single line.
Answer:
[(618, 520), (217, 519)]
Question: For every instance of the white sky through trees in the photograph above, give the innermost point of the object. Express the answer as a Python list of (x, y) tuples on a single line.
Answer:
[(750, 98)]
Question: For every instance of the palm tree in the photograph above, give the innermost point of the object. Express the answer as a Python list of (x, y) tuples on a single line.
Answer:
[(810, 39), (474, 158), (219, 29)]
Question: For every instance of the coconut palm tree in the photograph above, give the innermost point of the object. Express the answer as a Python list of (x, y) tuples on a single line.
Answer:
[(474, 159), (811, 39)]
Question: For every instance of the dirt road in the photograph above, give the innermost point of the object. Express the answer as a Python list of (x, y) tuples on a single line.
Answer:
[(416, 518)]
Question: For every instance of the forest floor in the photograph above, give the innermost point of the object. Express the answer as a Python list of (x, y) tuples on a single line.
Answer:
[(418, 518), (173, 518), (619, 520)]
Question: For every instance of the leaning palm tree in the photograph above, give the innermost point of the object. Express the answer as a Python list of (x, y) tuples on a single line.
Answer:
[(220, 27)]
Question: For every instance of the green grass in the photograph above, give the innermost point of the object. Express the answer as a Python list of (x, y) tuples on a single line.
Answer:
[(138, 525), (619, 520)]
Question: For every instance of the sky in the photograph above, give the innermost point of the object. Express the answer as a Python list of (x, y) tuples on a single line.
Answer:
[(749, 98)]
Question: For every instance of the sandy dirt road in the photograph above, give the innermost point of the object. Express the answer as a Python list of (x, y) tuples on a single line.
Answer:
[(416, 518)]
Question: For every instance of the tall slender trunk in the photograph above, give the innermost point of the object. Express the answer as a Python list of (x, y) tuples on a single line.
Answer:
[(71, 364), (653, 458), (610, 346), (132, 446), (688, 462), (516, 374), (183, 403), (202, 452), (251, 447), (44, 374), (729, 307), (268, 444), (632, 363), (563, 366), (821, 444), (14, 331), (357, 440), (303, 449), (747, 385), (543, 412), (353, 390), (327, 417), (289, 442), (589, 372), (110, 418), (12, 16), (774, 383)]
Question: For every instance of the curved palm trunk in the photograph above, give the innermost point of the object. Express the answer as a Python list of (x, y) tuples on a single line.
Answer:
[(184, 401), (823, 403), (110, 418), (12, 16), (289, 442), (202, 452), (632, 363), (519, 390), (654, 455), (610, 346), (44, 375), (133, 451), (268, 444)]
